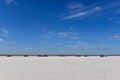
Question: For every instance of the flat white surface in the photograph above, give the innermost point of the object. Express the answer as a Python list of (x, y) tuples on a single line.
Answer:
[(56, 68)]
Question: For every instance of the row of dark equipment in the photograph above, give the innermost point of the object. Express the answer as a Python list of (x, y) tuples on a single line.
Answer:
[(55, 55)]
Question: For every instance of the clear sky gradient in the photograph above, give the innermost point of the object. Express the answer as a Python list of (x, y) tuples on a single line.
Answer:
[(59, 26)]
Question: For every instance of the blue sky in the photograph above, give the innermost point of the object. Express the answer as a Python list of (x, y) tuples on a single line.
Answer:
[(59, 26)]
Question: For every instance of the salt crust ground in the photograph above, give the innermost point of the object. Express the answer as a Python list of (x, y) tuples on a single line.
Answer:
[(59, 68)]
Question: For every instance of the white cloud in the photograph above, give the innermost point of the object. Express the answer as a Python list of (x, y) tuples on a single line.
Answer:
[(115, 38), (44, 30), (62, 34), (98, 8), (9, 1), (75, 37), (47, 31), (43, 42), (4, 32), (78, 11), (70, 41), (70, 36), (58, 43), (29, 49), (89, 10), (12, 42), (82, 13), (2, 40), (71, 47), (76, 15), (74, 5), (45, 36)]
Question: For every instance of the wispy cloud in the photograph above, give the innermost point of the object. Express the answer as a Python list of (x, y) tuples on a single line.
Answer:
[(116, 37), (60, 37), (12, 42), (43, 42), (81, 11), (74, 5), (75, 37), (4, 32), (2, 40), (58, 43), (69, 35), (97, 8), (28, 49), (63, 34), (46, 34), (80, 14), (11, 2)]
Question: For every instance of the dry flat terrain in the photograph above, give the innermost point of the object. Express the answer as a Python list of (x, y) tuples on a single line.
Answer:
[(59, 68)]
